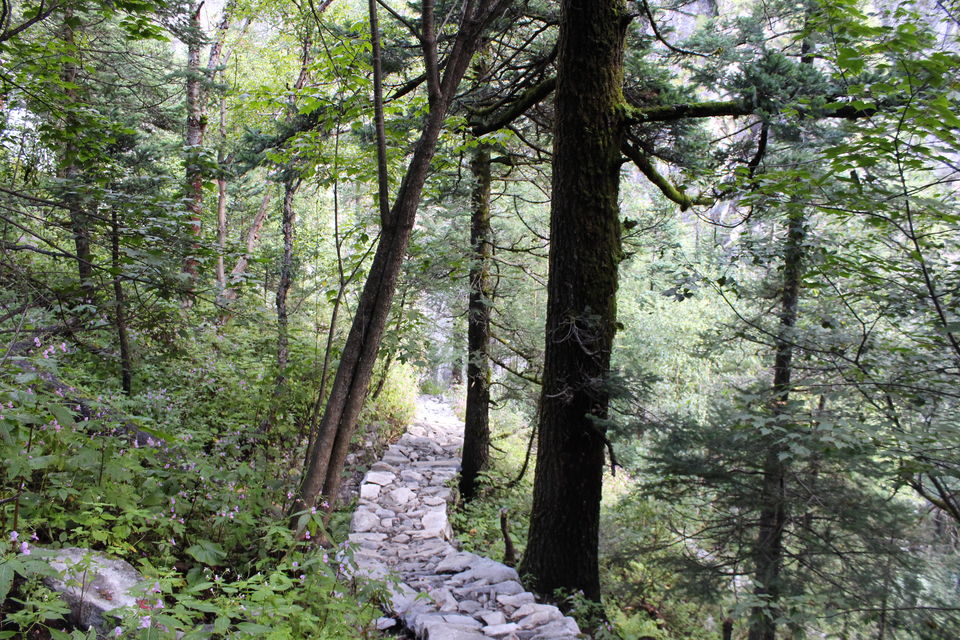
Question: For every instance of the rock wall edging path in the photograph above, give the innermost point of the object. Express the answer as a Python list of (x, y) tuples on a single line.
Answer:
[(401, 528)]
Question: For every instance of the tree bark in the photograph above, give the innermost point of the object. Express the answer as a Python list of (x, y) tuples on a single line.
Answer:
[(196, 94), (222, 198), (768, 550), (350, 385), (288, 227), (581, 299), (194, 138), (476, 429), (79, 221), (120, 310)]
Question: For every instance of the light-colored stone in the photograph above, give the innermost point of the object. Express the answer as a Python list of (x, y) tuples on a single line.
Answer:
[(539, 618), (364, 521), (496, 630), (493, 618), (385, 623), (457, 562), (469, 606), (507, 587), (92, 584), (517, 600), (381, 478), (443, 631), (369, 491), (487, 572), (436, 523), (411, 476), (402, 496)]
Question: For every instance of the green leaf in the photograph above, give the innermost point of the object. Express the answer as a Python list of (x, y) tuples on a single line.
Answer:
[(221, 624), (207, 552), (63, 415), (6, 580)]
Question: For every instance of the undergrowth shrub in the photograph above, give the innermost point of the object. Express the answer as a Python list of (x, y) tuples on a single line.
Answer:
[(394, 407), (477, 524), (174, 480)]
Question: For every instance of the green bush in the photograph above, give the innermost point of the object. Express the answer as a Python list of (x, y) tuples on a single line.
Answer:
[(171, 479)]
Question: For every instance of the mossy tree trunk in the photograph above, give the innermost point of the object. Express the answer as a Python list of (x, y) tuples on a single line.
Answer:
[(768, 550), (581, 299), (476, 431)]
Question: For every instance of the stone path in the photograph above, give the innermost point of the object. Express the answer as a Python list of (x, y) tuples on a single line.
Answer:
[(401, 529)]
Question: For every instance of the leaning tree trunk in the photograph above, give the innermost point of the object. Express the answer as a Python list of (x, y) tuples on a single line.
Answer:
[(325, 464), (476, 429), (768, 549), (581, 292)]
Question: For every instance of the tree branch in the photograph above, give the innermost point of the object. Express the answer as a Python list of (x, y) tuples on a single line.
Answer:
[(514, 110), (659, 180)]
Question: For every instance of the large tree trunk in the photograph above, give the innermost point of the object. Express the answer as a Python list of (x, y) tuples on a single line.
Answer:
[(350, 385), (768, 550), (476, 429), (581, 299)]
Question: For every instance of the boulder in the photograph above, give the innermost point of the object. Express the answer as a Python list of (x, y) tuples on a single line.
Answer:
[(92, 584)]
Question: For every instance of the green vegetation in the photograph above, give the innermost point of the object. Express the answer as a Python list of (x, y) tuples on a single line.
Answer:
[(712, 265)]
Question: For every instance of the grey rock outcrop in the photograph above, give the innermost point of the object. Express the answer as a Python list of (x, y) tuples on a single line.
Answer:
[(92, 584)]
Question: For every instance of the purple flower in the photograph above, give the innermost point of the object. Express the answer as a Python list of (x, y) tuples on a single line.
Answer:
[(117, 631), (145, 622), (25, 548), (13, 536)]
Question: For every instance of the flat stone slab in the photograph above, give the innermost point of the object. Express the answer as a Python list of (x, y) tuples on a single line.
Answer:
[(401, 528)]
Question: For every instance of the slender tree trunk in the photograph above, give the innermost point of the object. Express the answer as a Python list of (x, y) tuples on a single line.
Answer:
[(476, 429), (196, 94), (222, 198), (79, 221), (194, 139), (581, 299), (120, 309), (768, 550), (350, 385), (288, 225)]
